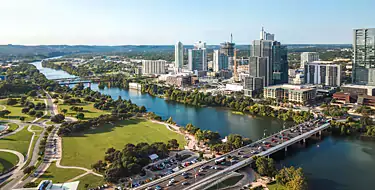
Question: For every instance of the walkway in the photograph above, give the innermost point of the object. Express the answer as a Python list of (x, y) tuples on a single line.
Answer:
[(21, 162)]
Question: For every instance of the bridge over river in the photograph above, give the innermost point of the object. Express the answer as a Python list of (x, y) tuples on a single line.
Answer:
[(202, 174)]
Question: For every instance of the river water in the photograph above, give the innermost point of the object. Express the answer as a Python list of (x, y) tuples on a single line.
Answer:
[(332, 163)]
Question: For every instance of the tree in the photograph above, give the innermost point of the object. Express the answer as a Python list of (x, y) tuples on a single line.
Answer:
[(11, 101), (58, 118), (39, 114), (292, 178), (28, 169), (80, 116), (32, 93), (265, 166), (3, 113), (64, 111), (22, 118), (32, 112), (25, 110), (173, 144)]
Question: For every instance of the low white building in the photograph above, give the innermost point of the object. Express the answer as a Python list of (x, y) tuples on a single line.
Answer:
[(234, 87), (48, 185)]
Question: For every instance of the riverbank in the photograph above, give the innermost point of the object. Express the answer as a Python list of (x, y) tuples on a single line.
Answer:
[(321, 161)]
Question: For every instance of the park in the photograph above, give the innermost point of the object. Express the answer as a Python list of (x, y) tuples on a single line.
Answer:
[(86, 149)]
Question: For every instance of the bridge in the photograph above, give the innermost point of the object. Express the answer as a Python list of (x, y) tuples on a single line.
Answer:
[(264, 147)]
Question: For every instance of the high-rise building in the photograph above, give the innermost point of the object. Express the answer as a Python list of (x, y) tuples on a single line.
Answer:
[(179, 55), (364, 56), (259, 67), (252, 85), (153, 66), (227, 48), (197, 57), (325, 74), (277, 55), (307, 57), (219, 61), (266, 36)]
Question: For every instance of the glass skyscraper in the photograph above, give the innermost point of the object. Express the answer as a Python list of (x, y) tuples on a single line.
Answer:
[(364, 56)]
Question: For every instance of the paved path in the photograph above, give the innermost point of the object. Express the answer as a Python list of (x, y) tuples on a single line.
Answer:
[(2, 107), (21, 162)]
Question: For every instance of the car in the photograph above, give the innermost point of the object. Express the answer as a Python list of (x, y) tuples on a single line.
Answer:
[(244, 156), (157, 187), (184, 173), (172, 180), (184, 183)]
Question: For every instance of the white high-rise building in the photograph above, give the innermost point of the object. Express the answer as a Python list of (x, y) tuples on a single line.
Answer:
[(197, 57), (219, 61), (308, 57), (318, 72), (179, 55), (153, 66)]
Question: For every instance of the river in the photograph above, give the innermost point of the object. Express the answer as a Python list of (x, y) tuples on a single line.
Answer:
[(331, 164)]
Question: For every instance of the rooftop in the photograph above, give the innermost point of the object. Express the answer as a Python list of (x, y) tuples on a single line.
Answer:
[(358, 86), (291, 87)]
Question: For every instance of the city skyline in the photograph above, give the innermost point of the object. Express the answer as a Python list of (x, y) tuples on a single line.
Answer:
[(165, 22)]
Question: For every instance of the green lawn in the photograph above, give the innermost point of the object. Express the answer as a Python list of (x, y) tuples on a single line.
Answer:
[(276, 186), (18, 142), (59, 175), (38, 131), (88, 110), (12, 126), (86, 149), (7, 161), (16, 110), (92, 181), (36, 128)]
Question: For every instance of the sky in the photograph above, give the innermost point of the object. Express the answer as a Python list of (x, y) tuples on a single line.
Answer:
[(164, 22)]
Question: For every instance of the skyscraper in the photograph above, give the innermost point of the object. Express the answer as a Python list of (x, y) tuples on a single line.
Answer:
[(219, 61), (307, 57), (179, 55), (198, 57), (364, 56), (277, 58)]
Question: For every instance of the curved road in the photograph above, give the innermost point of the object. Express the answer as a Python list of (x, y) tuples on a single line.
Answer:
[(21, 162)]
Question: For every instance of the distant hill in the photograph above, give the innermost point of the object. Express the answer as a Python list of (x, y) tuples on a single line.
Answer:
[(56, 50)]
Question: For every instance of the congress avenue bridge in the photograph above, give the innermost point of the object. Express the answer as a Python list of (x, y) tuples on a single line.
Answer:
[(201, 175), (76, 80)]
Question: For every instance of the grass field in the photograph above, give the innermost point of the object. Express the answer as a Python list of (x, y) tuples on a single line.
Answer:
[(38, 131), (12, 126), (276, 186), (86, 149), (91, 180), (59, 175), (36, 128), (18, 142), (88, 110), (16, 110), (7, 161)]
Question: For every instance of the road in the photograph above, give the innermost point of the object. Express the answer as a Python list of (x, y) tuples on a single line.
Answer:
[(193, 175), (21, 162)]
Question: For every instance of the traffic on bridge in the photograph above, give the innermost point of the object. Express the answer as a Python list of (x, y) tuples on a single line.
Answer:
[(190, 177)]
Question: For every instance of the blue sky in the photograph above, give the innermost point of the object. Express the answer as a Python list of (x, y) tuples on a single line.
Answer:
[(122, 22)]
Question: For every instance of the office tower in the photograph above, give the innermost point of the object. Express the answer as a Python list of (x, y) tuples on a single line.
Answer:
[(364, 56), (307, 57), (153, 66), (179, 55), (325, 74), (259, 67), (219, 61), (252, 85), (197, 57), (266, 36), (277, 55)]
